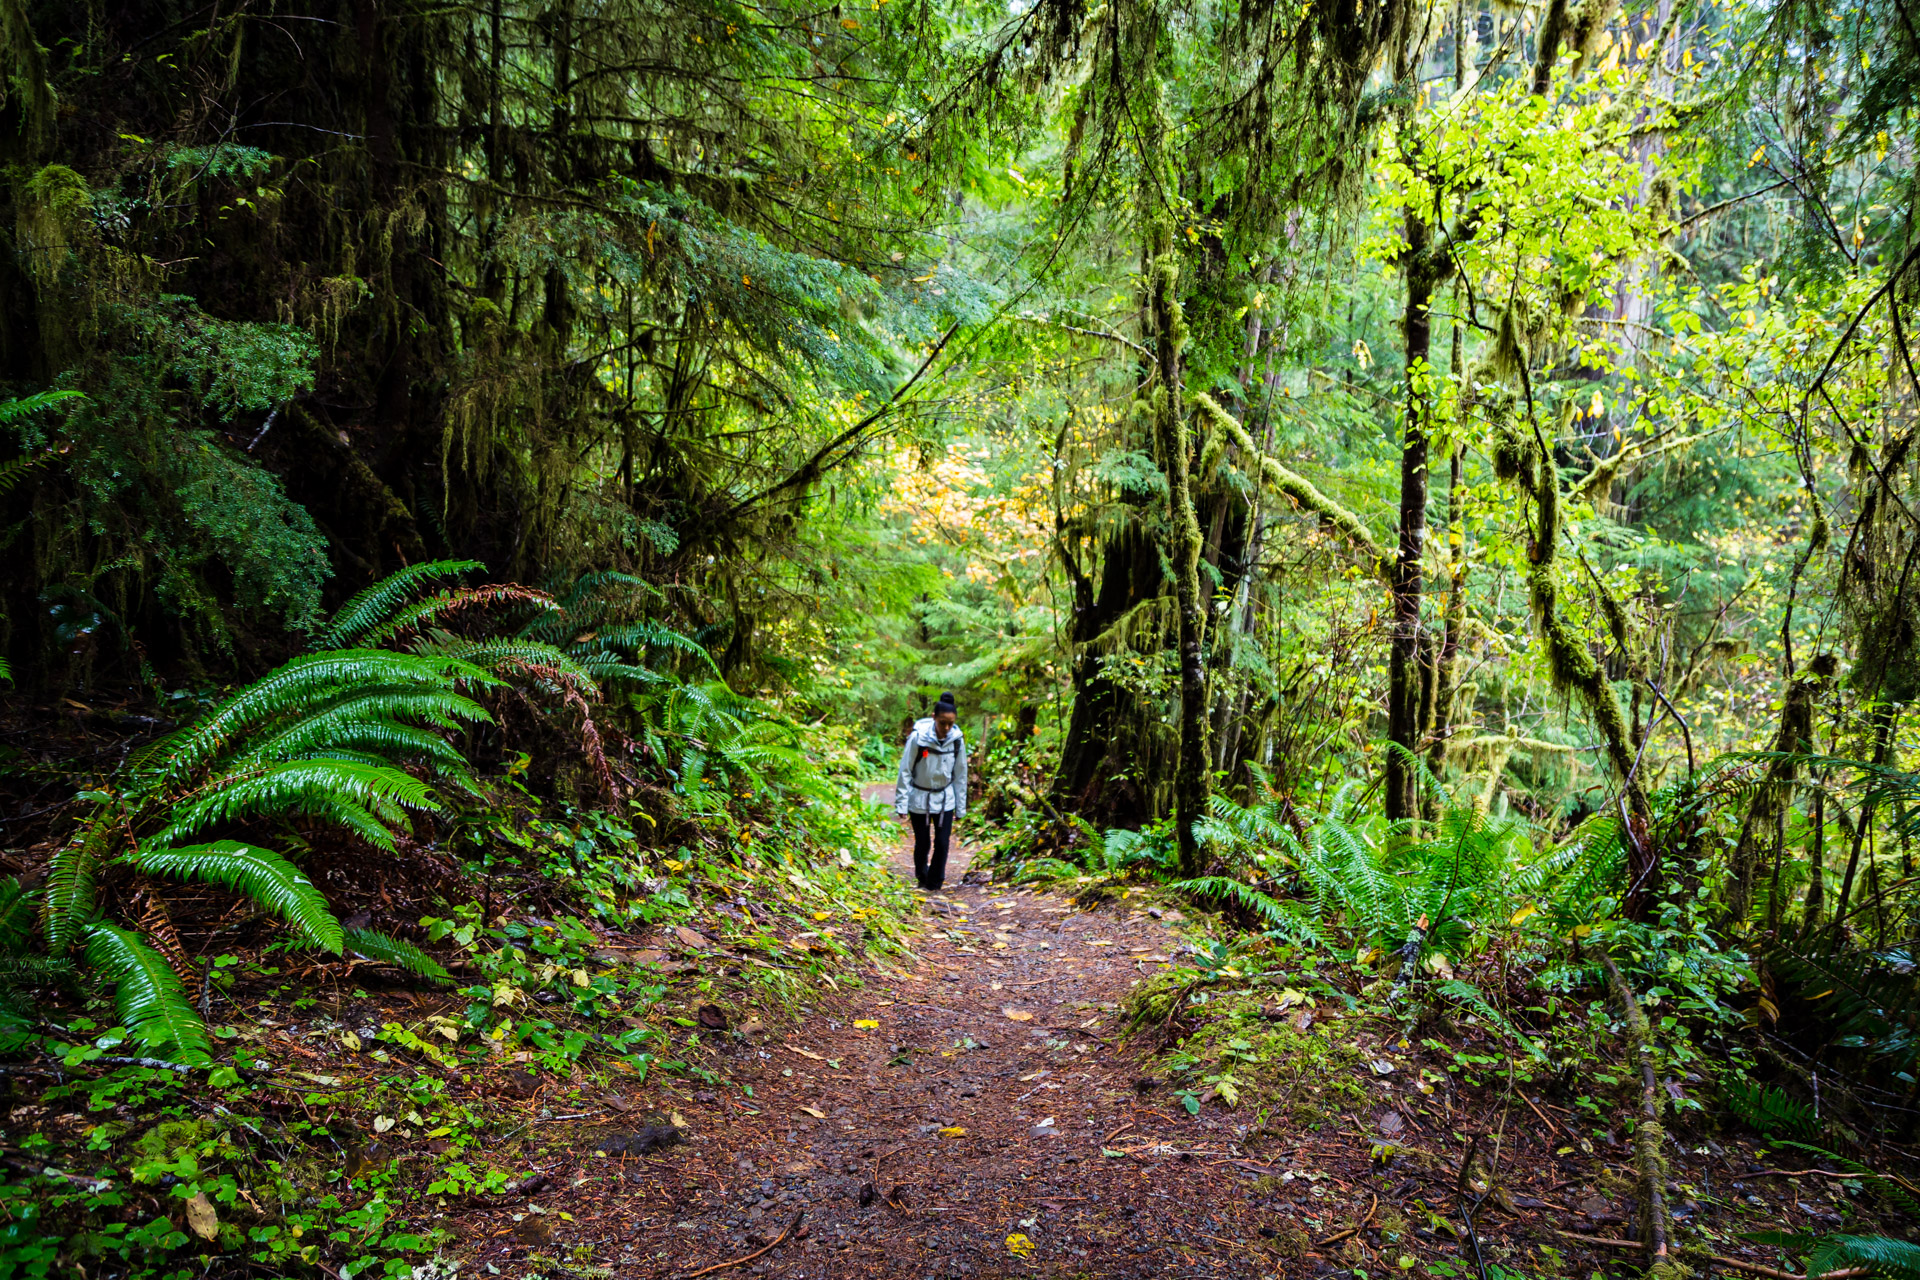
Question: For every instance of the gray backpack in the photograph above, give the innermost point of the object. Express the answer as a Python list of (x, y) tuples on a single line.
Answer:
[(933, 763)]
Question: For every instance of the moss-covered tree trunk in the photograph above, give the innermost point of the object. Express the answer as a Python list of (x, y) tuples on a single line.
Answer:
[(1183, 541), (1405, 652)]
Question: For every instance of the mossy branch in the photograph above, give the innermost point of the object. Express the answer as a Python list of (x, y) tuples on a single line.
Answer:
[(1650, 1136), (1300, 490)]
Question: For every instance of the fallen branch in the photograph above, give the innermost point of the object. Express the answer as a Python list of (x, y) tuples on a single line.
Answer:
[(722, 1266), (1649, 1135), (1738, 1264), (1355, 1229)]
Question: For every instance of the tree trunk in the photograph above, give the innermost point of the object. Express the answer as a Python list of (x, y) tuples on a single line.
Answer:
[(1403, 660), (1183, 542)]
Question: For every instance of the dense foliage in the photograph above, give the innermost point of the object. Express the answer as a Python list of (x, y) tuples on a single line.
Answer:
[(1430, 484)]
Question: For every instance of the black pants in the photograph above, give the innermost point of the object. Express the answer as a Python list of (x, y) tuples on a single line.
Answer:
[(935, 829)]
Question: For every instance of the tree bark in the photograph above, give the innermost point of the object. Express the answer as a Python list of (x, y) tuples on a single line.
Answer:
[(1191, 775), (1403, 660)]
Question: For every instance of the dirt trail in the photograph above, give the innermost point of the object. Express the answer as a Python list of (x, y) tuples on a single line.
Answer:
[(977, 1109)]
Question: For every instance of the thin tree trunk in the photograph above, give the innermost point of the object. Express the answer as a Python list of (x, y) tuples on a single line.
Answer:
[(1183, 538), (1403, 659)]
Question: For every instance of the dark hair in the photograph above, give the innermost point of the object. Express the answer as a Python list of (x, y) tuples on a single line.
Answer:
[(945, 704)]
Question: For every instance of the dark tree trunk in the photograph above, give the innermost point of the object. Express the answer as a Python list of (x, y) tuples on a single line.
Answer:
[(1404, 655), (1100, 766)]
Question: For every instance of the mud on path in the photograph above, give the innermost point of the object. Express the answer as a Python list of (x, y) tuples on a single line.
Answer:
[(972, 1093)]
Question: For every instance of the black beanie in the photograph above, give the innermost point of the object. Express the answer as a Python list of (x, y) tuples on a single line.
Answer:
[(945, 704)]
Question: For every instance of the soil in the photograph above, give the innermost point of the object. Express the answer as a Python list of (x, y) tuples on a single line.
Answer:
[(971, 1113), (984, 1114)]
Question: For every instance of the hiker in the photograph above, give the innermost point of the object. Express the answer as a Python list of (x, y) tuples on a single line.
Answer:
[(932, 790)]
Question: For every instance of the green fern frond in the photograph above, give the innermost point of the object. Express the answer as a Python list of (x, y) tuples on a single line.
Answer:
[(1224, 889), (333, 723), (1883, 1255), (1769, 1109), (14, 470), (147, 993), (312, 788), (12, 411), (421, 613), (70, 878), (371, 944), (17, 917), (260, 874), (358, 617), (293, 689), (500, 657)]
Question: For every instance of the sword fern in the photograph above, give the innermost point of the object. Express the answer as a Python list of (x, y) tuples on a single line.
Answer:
[(328, 738)]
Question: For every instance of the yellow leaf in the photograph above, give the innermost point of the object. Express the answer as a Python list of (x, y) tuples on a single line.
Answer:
[(1018, 1015), (823, 915), (953, 1131), (851, 24), (866, 1022), (815, 1112), (1019, 1246), (1525, 913)]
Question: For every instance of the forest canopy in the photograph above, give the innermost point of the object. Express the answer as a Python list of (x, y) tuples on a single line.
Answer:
[(1306, 439)]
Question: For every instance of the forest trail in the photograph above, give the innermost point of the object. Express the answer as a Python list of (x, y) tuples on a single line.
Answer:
[(975, 1111)]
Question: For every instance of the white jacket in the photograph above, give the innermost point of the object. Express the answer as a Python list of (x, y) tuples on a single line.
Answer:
[(933, 772)]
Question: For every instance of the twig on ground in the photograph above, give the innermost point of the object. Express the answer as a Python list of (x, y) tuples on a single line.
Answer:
[(1738, 1264), (1356, 1229), (722, 1266)]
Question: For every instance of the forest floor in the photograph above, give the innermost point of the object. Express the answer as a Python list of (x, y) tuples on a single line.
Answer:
[(972, 1113)]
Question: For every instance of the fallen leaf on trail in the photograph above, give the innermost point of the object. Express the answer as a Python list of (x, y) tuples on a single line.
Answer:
[(651, 955), (997, 986), (677, 1120), (1019, 1246), (201, 1218), (383, 1123), (1381, 1067), (317, 1078), (350, 1040), (712, 1017), (805, 1053), (692, 937), (1034, 1075), (953, 1131), (1018, 1015), (815, 1112), (866, 1022), (1100, 942)]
